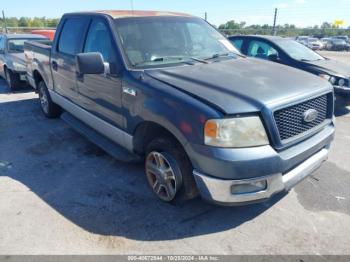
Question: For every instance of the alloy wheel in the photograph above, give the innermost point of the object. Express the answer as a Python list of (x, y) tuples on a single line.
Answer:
[(161, 176)]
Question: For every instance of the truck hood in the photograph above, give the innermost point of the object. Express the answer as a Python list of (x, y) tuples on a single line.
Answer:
[(242, 85), (16, 57), (330, 67)]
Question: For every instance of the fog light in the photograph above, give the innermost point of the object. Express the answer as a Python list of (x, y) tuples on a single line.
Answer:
[(249, 187)]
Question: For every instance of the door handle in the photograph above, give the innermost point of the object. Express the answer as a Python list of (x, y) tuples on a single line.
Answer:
[(54, 65)]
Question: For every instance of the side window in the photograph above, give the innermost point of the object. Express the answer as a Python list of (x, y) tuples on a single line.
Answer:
[(260, 49), (237, 43), (2, 43), (99, 39), (72, 35)]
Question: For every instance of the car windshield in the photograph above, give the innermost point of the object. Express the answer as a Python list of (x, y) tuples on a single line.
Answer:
[(298, 51), (163, 41), (17, 45), (313, 39)]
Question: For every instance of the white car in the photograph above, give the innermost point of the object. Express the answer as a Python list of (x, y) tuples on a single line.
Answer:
[(314, 43)]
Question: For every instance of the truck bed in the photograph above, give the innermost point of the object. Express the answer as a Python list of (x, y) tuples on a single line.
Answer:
[(37, 55)]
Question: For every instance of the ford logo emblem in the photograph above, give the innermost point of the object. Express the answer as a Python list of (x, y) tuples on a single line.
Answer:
[(310, 115)]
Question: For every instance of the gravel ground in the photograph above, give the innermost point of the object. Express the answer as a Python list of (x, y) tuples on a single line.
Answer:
[(60, 194)]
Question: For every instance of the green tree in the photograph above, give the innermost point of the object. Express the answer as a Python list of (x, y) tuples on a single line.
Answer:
[(23, 22)]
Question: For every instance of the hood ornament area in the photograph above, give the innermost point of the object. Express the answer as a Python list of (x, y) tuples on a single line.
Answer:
[(310, 115)]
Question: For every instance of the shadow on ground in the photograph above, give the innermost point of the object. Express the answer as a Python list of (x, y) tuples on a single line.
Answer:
[(326, 190), (6, 90), (93, 190)]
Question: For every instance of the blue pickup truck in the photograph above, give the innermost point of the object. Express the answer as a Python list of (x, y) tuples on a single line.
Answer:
[(171, 90)]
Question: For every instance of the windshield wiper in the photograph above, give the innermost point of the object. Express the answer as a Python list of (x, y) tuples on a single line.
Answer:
[(214, 56), (159, 59), (182, 59)]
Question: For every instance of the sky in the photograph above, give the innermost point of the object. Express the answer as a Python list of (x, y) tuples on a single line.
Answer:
[(299, 12)]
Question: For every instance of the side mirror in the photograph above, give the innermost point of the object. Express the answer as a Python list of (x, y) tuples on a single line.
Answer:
[(90, 64), (274, 57)]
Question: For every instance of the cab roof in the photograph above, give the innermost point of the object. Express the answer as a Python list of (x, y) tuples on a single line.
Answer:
[(115, 14)]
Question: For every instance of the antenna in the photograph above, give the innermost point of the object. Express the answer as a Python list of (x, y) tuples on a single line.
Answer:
[(4, 21)]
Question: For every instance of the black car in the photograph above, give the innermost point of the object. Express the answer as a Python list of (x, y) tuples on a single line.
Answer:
[(289, 52), (339, 45)]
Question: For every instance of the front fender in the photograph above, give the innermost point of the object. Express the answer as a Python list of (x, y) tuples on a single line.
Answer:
[(179, 113)]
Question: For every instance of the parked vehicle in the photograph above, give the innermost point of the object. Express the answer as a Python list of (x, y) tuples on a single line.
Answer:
[(12, 61), (340, 45), (314, 43), (291, 53), (302, 39), (48, 33), (343, 37), (327, 43), (171, 89)]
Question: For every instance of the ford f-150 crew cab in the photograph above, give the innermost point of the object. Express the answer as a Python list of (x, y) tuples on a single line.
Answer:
[(170, 89)]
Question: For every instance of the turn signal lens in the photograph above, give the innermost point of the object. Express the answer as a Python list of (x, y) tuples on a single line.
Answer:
[(210, 129)]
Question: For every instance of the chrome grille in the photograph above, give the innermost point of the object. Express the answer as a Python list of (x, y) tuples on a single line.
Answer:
[(290, 121)]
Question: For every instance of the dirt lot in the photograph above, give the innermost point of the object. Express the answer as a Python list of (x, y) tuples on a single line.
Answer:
[(60, 194)]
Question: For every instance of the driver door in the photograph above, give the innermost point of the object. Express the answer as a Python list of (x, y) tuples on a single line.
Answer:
[(101, 94)]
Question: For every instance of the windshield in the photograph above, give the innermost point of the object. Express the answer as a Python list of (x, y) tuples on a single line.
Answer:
[(17, 45), (163, 41), (299, 51), (313, 39)]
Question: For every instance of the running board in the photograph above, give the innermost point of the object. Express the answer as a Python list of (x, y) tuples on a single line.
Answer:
[(104, 143)]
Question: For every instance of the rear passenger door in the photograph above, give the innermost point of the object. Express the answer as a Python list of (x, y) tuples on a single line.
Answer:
[(63, 58), (101, 94)]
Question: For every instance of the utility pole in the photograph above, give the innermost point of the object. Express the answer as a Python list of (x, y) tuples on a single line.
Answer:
[(274, 22), (132, 6), (4, 21), (206, 16)]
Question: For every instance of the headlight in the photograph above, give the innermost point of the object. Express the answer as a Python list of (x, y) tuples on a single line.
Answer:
[(341, 82), (19, 66), (235, 132), (332, 79)]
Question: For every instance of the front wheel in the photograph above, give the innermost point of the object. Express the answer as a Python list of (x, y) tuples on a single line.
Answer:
[(49, 108), (169, 171), (12, 79)]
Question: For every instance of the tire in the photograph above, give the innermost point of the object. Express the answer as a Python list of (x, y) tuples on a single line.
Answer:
[(49, 108), (12, 79), (341, 101), (170, 178)]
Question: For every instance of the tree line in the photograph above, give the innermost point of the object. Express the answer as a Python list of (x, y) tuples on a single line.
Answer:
[(30, 22), (231, 27), (325, 29)]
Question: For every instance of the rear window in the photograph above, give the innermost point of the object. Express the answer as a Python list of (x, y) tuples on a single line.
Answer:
[(71, 36)]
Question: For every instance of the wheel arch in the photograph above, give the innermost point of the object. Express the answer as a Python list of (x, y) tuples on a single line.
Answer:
[(37, 78), (146, 131)]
